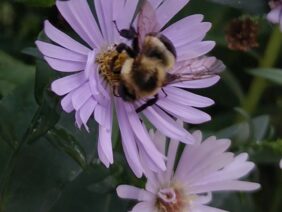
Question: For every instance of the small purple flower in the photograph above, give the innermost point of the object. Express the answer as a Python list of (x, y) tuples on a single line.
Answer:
[(275, 15), (88, 89), (203, 168)]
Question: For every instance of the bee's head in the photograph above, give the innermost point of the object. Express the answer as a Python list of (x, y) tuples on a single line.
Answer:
[(126, 94)]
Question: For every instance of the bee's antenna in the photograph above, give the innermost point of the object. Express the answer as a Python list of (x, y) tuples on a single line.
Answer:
[(115, 23)]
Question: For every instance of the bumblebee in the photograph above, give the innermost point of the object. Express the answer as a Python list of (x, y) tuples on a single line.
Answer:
[(150, 57), (145, 72)]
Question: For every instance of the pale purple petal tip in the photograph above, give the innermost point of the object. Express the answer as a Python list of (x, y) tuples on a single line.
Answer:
[(194, 50), (64, 85), (131, 192), (79, 16), (169, 9), (66, 103), (63, 39), (64, 65), (60, 53)]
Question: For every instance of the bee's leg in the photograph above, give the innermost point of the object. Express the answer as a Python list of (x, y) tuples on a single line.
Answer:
[(135, 44), (129, 34), (125, 47), (164, 92), (149, 103), (112, 64), (115, 91)]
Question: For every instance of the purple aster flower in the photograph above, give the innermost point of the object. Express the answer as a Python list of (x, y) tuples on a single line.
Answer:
[(203, 168), (90, 88), (275, 15)]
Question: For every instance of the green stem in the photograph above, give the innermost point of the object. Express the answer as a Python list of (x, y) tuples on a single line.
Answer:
[(259, 84)]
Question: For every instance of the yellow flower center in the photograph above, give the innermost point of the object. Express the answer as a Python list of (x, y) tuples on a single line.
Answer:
[(110, 64)]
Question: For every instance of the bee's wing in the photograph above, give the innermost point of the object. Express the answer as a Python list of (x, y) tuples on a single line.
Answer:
[(200, 68), (147, 21)]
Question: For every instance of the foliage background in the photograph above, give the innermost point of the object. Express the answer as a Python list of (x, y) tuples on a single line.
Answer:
[(46, 164)]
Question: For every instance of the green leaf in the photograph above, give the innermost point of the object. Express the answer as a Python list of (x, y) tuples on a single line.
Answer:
[(254, 129), (229, 201), (109, 183), (39, 3), (40, 174), (272, 74), (79, 197), (260, 127), (87, 140), (40, 171), (6, 127), (46, 117), (274, 146), (105, 186), (266, 151), (44, 76), (17, 110), (5, 152), (68, 144), (230, 80), (49, 106), (12, 73), (252, 6), (32, 51)]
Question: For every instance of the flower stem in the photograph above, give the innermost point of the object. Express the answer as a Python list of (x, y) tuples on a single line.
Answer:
[(259, 84)]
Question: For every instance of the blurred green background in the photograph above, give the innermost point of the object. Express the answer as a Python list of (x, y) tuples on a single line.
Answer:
[(46, 164)]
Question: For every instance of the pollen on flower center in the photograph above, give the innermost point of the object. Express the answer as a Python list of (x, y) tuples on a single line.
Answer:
[(110, 64), (171, 199)]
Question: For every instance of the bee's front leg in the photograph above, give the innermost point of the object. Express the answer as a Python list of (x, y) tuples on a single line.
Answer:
[(149, 103), (129, 34), (124, 47)]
